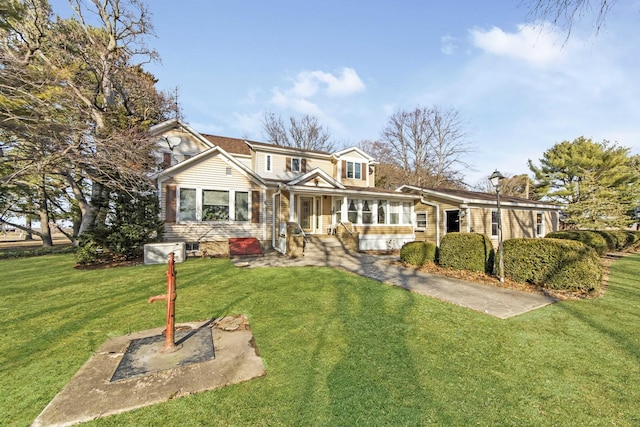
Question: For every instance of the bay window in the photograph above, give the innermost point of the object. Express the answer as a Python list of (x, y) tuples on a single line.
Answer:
[(242, 206), (187, 204), (213, 205)]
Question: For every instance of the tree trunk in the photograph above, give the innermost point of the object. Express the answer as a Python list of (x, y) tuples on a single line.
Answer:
[(45, 217), (29, 234), (45, 229)]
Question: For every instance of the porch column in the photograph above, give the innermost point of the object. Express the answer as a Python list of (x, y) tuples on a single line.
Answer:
[(292, 207), (468, 217), (345, 209)]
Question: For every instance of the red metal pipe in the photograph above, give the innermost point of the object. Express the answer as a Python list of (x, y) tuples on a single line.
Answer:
[(170, 297)]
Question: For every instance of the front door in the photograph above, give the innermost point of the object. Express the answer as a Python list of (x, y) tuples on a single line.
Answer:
[(306, 214), (453, 221)]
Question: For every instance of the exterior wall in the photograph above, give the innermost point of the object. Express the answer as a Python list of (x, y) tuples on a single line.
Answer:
[(279, 165), (383, 237), (516, 223), (186, 148), (430, 234), (211, 174)]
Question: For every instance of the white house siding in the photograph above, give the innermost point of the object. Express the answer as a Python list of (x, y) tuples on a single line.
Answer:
[(211, 174), (383, 237), (279, 165)]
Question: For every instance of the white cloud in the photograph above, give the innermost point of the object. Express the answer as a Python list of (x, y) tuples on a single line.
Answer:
[(308, 83), (448, 44), (539, 45)]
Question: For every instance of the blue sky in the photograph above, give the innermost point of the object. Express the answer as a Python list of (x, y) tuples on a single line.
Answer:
[(520, 87)]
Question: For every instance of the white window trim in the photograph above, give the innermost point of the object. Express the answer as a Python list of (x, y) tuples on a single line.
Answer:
[(497, 224), (299, 169), (268, 163), (426, 223), (354, 163), (541, 234)]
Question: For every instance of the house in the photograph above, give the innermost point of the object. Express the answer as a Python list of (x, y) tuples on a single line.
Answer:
[(215, 188), (440, 211)]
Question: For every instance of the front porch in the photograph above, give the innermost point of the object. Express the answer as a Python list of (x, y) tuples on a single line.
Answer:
[(382, 220)]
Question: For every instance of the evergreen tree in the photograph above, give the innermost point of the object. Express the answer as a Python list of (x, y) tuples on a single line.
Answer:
[(597, 183)]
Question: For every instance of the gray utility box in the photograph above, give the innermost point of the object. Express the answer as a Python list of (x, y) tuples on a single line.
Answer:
[(158, 253)]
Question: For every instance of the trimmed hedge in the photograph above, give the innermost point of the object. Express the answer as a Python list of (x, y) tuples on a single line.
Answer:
[(418, 253), (467, 251), (553, 263), (12, 253), (589, 238), (608, 240)]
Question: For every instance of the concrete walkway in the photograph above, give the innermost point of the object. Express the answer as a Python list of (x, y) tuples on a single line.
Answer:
[(499, 302)]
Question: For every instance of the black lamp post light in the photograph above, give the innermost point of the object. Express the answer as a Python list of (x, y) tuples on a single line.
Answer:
[(496, 180)]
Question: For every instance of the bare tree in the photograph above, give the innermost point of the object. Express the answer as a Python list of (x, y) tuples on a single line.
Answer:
[(513, 185), (74, 106), (424, 147), (565, 12), (305, 132)]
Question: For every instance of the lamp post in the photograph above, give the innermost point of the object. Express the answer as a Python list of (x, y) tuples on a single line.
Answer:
[(496, 180)]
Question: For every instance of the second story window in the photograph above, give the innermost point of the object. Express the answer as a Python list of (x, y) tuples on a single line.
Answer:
[(268, 163), (354, 170), (295, 164)]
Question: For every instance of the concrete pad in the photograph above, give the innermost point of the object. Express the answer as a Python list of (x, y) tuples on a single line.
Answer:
[(92, 394)]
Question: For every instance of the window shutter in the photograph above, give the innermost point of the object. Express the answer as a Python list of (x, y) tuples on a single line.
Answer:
[(170, 204), (288, 161), (255, 207), (344, 169), (364, 170), (303, 167)]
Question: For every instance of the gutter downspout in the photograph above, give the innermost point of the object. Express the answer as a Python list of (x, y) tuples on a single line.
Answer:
[(437, 206)]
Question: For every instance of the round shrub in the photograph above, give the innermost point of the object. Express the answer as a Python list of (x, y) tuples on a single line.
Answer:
[(612, 239), (418, 253), (466, 251), (589, 238), (559, 264)]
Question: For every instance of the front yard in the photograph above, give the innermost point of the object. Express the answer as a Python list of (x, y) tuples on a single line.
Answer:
[(338, 349)]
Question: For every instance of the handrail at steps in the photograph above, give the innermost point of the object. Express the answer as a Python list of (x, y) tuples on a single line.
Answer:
[(344, 224)]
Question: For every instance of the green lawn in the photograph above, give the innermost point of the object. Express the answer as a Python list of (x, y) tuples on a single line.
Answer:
[(339, 349)]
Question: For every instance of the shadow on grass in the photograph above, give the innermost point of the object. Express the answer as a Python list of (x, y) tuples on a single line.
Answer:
[(617, 318), (375, 374)]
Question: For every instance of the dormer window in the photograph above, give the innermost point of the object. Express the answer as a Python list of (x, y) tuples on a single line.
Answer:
[(354, 170)]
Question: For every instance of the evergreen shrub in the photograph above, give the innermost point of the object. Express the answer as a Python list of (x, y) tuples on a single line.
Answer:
[(467, 251), (418, 253), (589, 238), (560, 264)]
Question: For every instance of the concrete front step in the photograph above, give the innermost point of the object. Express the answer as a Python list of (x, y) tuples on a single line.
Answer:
[(329, 245)]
